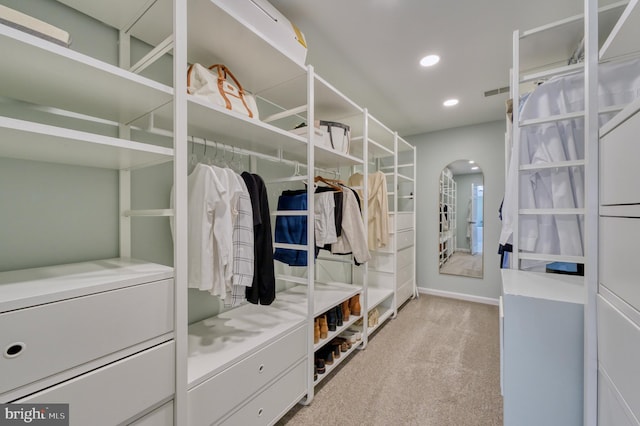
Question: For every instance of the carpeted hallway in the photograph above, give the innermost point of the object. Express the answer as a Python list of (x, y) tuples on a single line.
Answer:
[(436, 364)]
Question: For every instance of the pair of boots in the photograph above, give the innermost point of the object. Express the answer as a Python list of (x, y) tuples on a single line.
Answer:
[(354, 305), (320, 328)]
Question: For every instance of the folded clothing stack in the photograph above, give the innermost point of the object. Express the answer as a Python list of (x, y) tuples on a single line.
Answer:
[(33, 26)]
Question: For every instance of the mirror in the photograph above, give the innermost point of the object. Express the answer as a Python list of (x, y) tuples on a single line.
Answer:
[(461, 219)]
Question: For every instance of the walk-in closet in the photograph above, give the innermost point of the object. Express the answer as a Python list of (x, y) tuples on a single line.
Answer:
[(219, 212)]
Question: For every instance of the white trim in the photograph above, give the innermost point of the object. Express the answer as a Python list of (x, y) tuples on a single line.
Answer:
[(460, 296)]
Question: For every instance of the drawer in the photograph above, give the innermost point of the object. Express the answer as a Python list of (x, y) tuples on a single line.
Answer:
[(618, 237), (405, 257), (611, 410), (619, 172), (405, 274), (162, 416), (405, 291), (404, 220), (404, 239), (619, 352), (207, 403), (74, 331), (272, 403), (117, 392)]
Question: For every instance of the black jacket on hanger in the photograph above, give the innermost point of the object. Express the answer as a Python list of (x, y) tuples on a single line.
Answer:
[(263, 289)]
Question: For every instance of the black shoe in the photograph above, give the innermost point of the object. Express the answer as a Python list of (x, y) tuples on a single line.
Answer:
[(339, 319), (328, 356), (332, 319), (320, 368)]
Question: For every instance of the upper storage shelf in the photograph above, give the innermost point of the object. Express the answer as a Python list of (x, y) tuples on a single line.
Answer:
[(624, 36), (44, 73), (552, 45)]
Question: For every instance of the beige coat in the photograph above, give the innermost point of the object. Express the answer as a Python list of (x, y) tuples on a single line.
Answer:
[(378, 205)]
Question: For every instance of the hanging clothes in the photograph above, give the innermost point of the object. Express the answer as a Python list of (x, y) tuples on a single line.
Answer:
[(291, 229), (562, 187), (378, 207), (204, 195), (263, 288), (243, 248), (324, 219), (353, 239)]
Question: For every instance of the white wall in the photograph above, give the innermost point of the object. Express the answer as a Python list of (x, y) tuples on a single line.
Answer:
[(483, 143)]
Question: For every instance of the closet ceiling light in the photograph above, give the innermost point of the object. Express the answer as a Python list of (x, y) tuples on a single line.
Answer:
[(471, 161), (450, 102), (429, 60), (475, 168)]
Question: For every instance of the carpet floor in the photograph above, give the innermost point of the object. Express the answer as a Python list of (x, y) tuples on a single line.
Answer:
[(436, 364)]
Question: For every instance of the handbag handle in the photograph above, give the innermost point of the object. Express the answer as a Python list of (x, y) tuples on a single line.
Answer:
[(223, 72)]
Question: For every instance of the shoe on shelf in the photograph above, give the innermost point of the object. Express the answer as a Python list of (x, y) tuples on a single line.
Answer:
[(316, 331), (339, 317), (328, 356), (373, 316), (356, 332), (332, 319), (354, 305), (324, 328), (320, 367), (336, 349), (351, 335), (345, 345), (345, 310)]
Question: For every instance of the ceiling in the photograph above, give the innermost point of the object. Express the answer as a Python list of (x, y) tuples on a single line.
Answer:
[(370, 49)]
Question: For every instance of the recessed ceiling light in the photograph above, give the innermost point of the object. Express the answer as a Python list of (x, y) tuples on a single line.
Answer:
[(429, 60), (471, 161), (450, 102), (475, 168)]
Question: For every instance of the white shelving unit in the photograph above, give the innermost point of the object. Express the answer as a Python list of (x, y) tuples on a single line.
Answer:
[(609, 35), (265, 353), (448, 219)]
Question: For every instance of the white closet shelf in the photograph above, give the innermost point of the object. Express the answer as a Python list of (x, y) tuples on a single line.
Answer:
[(217, 342), (552, 118), (326, 296), (339, 329), (41, 142), (36, 286), (624, 36), (215, 123), (375, 296), (382, 317), (554, 43), (44, 73), (337, 362), (405, 178), (621, 117), (539, 285), (116, 13)]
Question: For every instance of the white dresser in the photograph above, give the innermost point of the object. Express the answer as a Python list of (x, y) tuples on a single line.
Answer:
[(618, 290), (541, 346)]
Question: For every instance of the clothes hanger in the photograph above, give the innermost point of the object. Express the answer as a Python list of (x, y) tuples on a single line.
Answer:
[(193, 158), (328, 182)]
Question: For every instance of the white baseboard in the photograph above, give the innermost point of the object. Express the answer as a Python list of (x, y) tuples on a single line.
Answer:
[(460, 296)]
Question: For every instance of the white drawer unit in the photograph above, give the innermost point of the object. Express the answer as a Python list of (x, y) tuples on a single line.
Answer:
[(162, 416), (612, 410), (619, 236), (126, 388), (208, 404), (405, 239), (405, 257), (273, 402), (78, 330), (619, 351), (619, 172), (403, 219)]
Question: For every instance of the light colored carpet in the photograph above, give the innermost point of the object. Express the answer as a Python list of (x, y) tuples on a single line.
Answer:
[(436, 364), (461, 263)]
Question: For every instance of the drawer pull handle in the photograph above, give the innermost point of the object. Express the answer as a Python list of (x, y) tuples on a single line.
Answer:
[(260, 411), (261, 368), (14, 349)]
